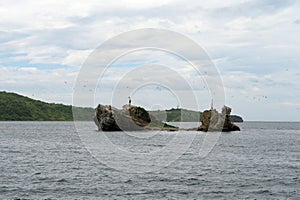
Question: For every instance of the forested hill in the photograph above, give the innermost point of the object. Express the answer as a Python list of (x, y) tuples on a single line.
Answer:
[(183, 115), (14, 107)]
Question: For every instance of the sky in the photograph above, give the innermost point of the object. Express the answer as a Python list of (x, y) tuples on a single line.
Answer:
[(253, 44)]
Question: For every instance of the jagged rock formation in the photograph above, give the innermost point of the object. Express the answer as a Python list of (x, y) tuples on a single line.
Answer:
[(130, 118), (134, 118), (214, 121)]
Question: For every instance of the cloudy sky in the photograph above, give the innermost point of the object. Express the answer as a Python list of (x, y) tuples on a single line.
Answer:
[(254, 44)]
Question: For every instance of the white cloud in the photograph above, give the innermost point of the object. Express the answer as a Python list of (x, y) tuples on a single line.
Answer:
[(76, 57), (255, 44), (28, 69), (39, 83)]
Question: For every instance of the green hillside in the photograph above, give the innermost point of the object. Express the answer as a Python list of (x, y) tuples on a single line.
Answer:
[(177, 115), (183, 115), (14, 107)]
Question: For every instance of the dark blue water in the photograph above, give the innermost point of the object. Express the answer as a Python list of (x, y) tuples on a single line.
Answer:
[(48, 161)]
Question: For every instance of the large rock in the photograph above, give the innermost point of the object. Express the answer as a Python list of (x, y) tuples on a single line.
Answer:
[(130, 118), (134, 118), (214, 121)]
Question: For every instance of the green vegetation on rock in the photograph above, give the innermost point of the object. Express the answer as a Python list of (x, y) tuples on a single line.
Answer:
[(236, 118)]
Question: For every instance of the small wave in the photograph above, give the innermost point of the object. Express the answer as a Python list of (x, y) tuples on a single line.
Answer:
[(156, 145), (188, 154), (13, 151), (262, 191), (237, 146), (192, 179), (128, 181), (61, 180)]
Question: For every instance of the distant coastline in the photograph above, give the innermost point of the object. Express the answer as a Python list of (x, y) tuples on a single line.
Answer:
[(15, 107), (184, 115)]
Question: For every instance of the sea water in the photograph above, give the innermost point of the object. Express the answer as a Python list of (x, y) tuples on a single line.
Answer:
[(48, 160)]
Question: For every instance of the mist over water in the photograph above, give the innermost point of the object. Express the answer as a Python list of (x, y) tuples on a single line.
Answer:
[(47, 160)]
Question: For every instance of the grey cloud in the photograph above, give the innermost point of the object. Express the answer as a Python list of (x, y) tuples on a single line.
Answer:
[(297, 21), (6, 36)]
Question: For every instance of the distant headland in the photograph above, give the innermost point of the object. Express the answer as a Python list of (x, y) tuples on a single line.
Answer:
[(15, 107)]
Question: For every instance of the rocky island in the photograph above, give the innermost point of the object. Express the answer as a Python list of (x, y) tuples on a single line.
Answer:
[(129, 118), (212, 120), (135, 118)]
